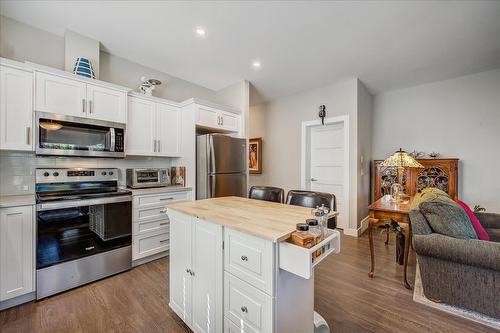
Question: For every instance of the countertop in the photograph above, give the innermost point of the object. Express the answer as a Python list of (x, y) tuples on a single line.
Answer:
[(153, 190), (268, 220), (17, 200)]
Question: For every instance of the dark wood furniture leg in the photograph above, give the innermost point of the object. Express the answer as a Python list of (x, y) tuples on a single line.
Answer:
[(407, 232), (371, 221), (387, 236)]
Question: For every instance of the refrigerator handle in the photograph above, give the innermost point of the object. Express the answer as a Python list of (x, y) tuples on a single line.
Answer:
[(211, 167), (211, 184)]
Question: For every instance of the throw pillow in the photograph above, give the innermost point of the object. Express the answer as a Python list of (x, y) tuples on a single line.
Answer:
[(445, 216), (478, 228)]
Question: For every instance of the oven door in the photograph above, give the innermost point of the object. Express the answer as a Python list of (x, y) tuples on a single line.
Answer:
[(74, 136), (76, 230)]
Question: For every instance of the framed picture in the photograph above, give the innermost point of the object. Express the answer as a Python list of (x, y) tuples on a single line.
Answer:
[(255, 155)]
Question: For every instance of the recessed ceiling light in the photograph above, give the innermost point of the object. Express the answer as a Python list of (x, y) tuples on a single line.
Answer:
[(256, 64), (200, 31)]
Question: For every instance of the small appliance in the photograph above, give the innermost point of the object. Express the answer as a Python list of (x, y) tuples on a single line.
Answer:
[(148, 177)]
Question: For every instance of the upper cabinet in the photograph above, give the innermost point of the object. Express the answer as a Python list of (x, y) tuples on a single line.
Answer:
[(75, 97), (155, 128), (16, 108), (216, 119)]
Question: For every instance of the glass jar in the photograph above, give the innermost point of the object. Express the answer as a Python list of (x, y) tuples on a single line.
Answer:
[(302, 236), (315, 230), (324, 221)]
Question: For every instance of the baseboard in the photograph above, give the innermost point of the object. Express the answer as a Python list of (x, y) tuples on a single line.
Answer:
[(150, 258), (17, 300), (359, 231)]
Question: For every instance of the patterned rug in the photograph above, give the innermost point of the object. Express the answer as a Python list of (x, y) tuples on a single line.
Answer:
[(418, 296)]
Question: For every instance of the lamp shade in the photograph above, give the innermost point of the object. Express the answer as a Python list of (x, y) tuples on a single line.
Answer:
[(401, 159)]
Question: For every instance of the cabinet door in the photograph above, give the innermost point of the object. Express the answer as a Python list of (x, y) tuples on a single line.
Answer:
[(106, 104), (60, 95), (207, 282), (229, 121), (16, 109), (207, 117), (17, 267), (180, 261), (141, 127), (168, 130)]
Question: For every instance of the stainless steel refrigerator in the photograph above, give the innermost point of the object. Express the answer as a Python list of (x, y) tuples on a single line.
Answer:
[(221, 166)]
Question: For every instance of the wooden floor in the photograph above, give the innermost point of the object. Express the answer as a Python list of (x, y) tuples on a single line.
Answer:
[(136, 301)]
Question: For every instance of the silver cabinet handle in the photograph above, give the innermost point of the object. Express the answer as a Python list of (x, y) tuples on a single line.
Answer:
[(168, 198), (244, 258), (218, 120), (165, 223), (28, 135), (159, 145), (154, 144), (90, 106), (222, 120), (163, 240), (84, 106), (244, 309), (314, 180), (164, 210)]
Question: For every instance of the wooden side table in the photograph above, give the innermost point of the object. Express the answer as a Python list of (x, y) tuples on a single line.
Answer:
[(384, 209)]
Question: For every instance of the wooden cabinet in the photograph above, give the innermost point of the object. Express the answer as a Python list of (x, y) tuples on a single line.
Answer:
[(196, 268), (16, 108), (17, 244), (72, 97), (439, 173), (215, 119), (154, 129)]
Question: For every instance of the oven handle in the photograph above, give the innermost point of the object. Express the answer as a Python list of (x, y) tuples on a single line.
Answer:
[(81, 203)]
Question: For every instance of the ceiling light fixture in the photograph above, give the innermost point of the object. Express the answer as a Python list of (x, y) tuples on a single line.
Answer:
[(200, 32), (256, 64)]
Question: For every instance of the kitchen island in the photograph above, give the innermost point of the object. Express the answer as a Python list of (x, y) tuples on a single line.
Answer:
[(233, 270)]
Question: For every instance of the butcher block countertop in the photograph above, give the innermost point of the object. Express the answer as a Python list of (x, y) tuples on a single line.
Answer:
[(268, 220)]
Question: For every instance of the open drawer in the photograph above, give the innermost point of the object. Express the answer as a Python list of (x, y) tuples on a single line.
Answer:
[(301, 261)]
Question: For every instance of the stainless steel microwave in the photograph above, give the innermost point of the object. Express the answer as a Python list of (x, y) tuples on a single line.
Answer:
[(63, 135), (150, 177)]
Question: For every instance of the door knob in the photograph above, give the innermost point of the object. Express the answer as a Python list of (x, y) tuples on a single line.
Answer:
[(244, 309), (244, 258), (314, 180)]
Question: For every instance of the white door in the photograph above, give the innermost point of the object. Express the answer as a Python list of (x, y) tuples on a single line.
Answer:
[(141, 127), (207, 282), (326, 164), (106, 104), (60, 95), (169, 130), (207, 117), (181, 278), (16, 109), (17, 243), (229, 121)]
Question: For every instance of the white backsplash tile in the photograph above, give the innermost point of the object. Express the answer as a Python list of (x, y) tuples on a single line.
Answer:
[(17, 169)]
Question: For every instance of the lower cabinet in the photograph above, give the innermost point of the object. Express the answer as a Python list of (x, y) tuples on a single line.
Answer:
[(17, 243), (196, 268)]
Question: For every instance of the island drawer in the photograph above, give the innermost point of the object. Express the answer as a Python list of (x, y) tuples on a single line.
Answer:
[(149, 244), (301, 261), (250, 258), (159, 199), (247, 306)]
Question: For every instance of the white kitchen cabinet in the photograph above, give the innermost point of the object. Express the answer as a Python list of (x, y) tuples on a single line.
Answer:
[(196, 267), (154, 129), (74, 97), (60, 95), (106, 104), (219, 120), (16, 108), (17, 243), (141, 128)]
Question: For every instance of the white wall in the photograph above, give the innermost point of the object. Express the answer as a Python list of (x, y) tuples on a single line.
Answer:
[(279, 124), (79, 46), (457, 118)]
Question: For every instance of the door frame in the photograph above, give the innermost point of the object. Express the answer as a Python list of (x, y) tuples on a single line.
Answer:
[(344, 119)]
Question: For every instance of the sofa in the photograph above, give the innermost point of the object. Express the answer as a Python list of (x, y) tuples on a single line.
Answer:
[(463, 272)]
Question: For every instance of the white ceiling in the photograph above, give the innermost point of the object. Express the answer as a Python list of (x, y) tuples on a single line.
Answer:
[(301, 45)]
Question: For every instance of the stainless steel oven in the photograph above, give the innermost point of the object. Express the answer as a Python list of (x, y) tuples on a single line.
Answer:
[(84, 227), (75, 136), (148, 177)]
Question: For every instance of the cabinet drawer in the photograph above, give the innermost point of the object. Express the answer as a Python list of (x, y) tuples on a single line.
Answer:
[(159, 199), (143, 227), (249, 258), (149, 213), (247, 306), (230, 327), (300, 261), (149, 244)]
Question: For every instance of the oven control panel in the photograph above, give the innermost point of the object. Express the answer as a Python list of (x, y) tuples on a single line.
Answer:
[(75, 174)]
